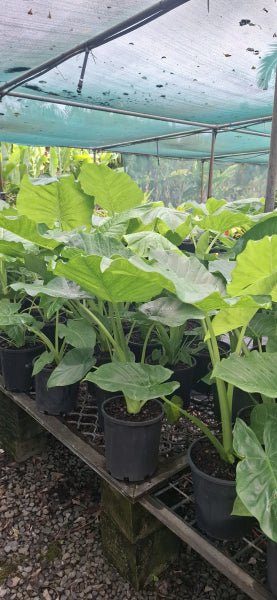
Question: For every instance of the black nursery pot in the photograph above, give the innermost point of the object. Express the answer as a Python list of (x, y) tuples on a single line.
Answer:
[(214, 499), (57, 400), (136, 344), (131, 447), (17, 367), (202, 366), (185, 375), (96, 392)]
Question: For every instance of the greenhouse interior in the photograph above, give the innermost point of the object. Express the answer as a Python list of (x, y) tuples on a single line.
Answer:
[(138, 300)]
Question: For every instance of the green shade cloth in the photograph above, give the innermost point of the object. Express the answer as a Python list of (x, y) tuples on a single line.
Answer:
[(190, 64)]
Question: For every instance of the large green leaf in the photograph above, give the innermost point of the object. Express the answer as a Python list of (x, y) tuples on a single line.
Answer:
[(73, 367), (117, 280), (114, 191), (255, 372), (138, 381), (170, 311), (58, 287), (61, 203), (260, 415), (256, 270), (238, 313), (223, 221), (267, 226), (26, 229), (257, 474), (95, 243), (142, 242), (79, 333), (191, 280)]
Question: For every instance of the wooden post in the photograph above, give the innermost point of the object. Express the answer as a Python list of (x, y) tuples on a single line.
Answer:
[(272, 161), (211, 170)]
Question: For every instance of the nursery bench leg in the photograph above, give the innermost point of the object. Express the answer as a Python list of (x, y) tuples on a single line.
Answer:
[(134, 541), (20, 435)]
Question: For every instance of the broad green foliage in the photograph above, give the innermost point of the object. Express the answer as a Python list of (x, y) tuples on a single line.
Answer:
[(73, 367), (141, 243), (170, 311), (139, 382), (117, 280), (113, 191), (97, 244), (58, 287), (26, 229), (267, 225), (257, 474), (256, 269), (239, 312), (58, 204), (255, 372)]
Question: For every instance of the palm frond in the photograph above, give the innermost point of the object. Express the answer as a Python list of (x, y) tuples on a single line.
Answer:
[(267, 67)]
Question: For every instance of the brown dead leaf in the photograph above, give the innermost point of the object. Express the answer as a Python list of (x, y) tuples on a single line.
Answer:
[(15, 581), (46, 595), (227, 55)]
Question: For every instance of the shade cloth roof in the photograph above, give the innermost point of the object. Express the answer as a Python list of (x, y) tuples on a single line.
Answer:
[(158, 89)]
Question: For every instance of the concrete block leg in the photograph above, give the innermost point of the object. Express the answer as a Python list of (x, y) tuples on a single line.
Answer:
[(20, 435), (134, 541)]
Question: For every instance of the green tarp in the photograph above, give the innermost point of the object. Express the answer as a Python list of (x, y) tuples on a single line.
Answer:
[(190, 69)]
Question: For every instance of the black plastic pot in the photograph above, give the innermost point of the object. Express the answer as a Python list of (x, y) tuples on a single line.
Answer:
[(57, 400), (241, 400), (202, 366), (272, 566), (17, 367), (185, 375), (136, 345), (214, 499), (131, 448), (96, 392), (187, 246)]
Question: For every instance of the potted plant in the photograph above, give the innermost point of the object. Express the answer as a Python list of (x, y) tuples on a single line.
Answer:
[(177, 347), (18, 347)]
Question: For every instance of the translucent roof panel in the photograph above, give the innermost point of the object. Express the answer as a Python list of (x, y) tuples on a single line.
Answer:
[(182, 74)]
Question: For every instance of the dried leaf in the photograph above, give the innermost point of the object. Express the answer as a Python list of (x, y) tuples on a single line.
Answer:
[(46, 595), (30, 12), (227, 55), (15, 581)]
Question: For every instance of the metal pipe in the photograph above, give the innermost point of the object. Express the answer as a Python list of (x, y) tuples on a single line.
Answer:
[(272, 161), (106, 109), (211, 169), (246, 131), (134, 22), (202, 181)]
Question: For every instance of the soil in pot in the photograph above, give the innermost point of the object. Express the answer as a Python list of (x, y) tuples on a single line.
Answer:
[(215, 493), (17, 366), (131, 441), (58, 400)]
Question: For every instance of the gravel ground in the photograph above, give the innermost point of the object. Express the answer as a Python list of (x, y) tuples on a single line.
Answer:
[(50, 543)]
